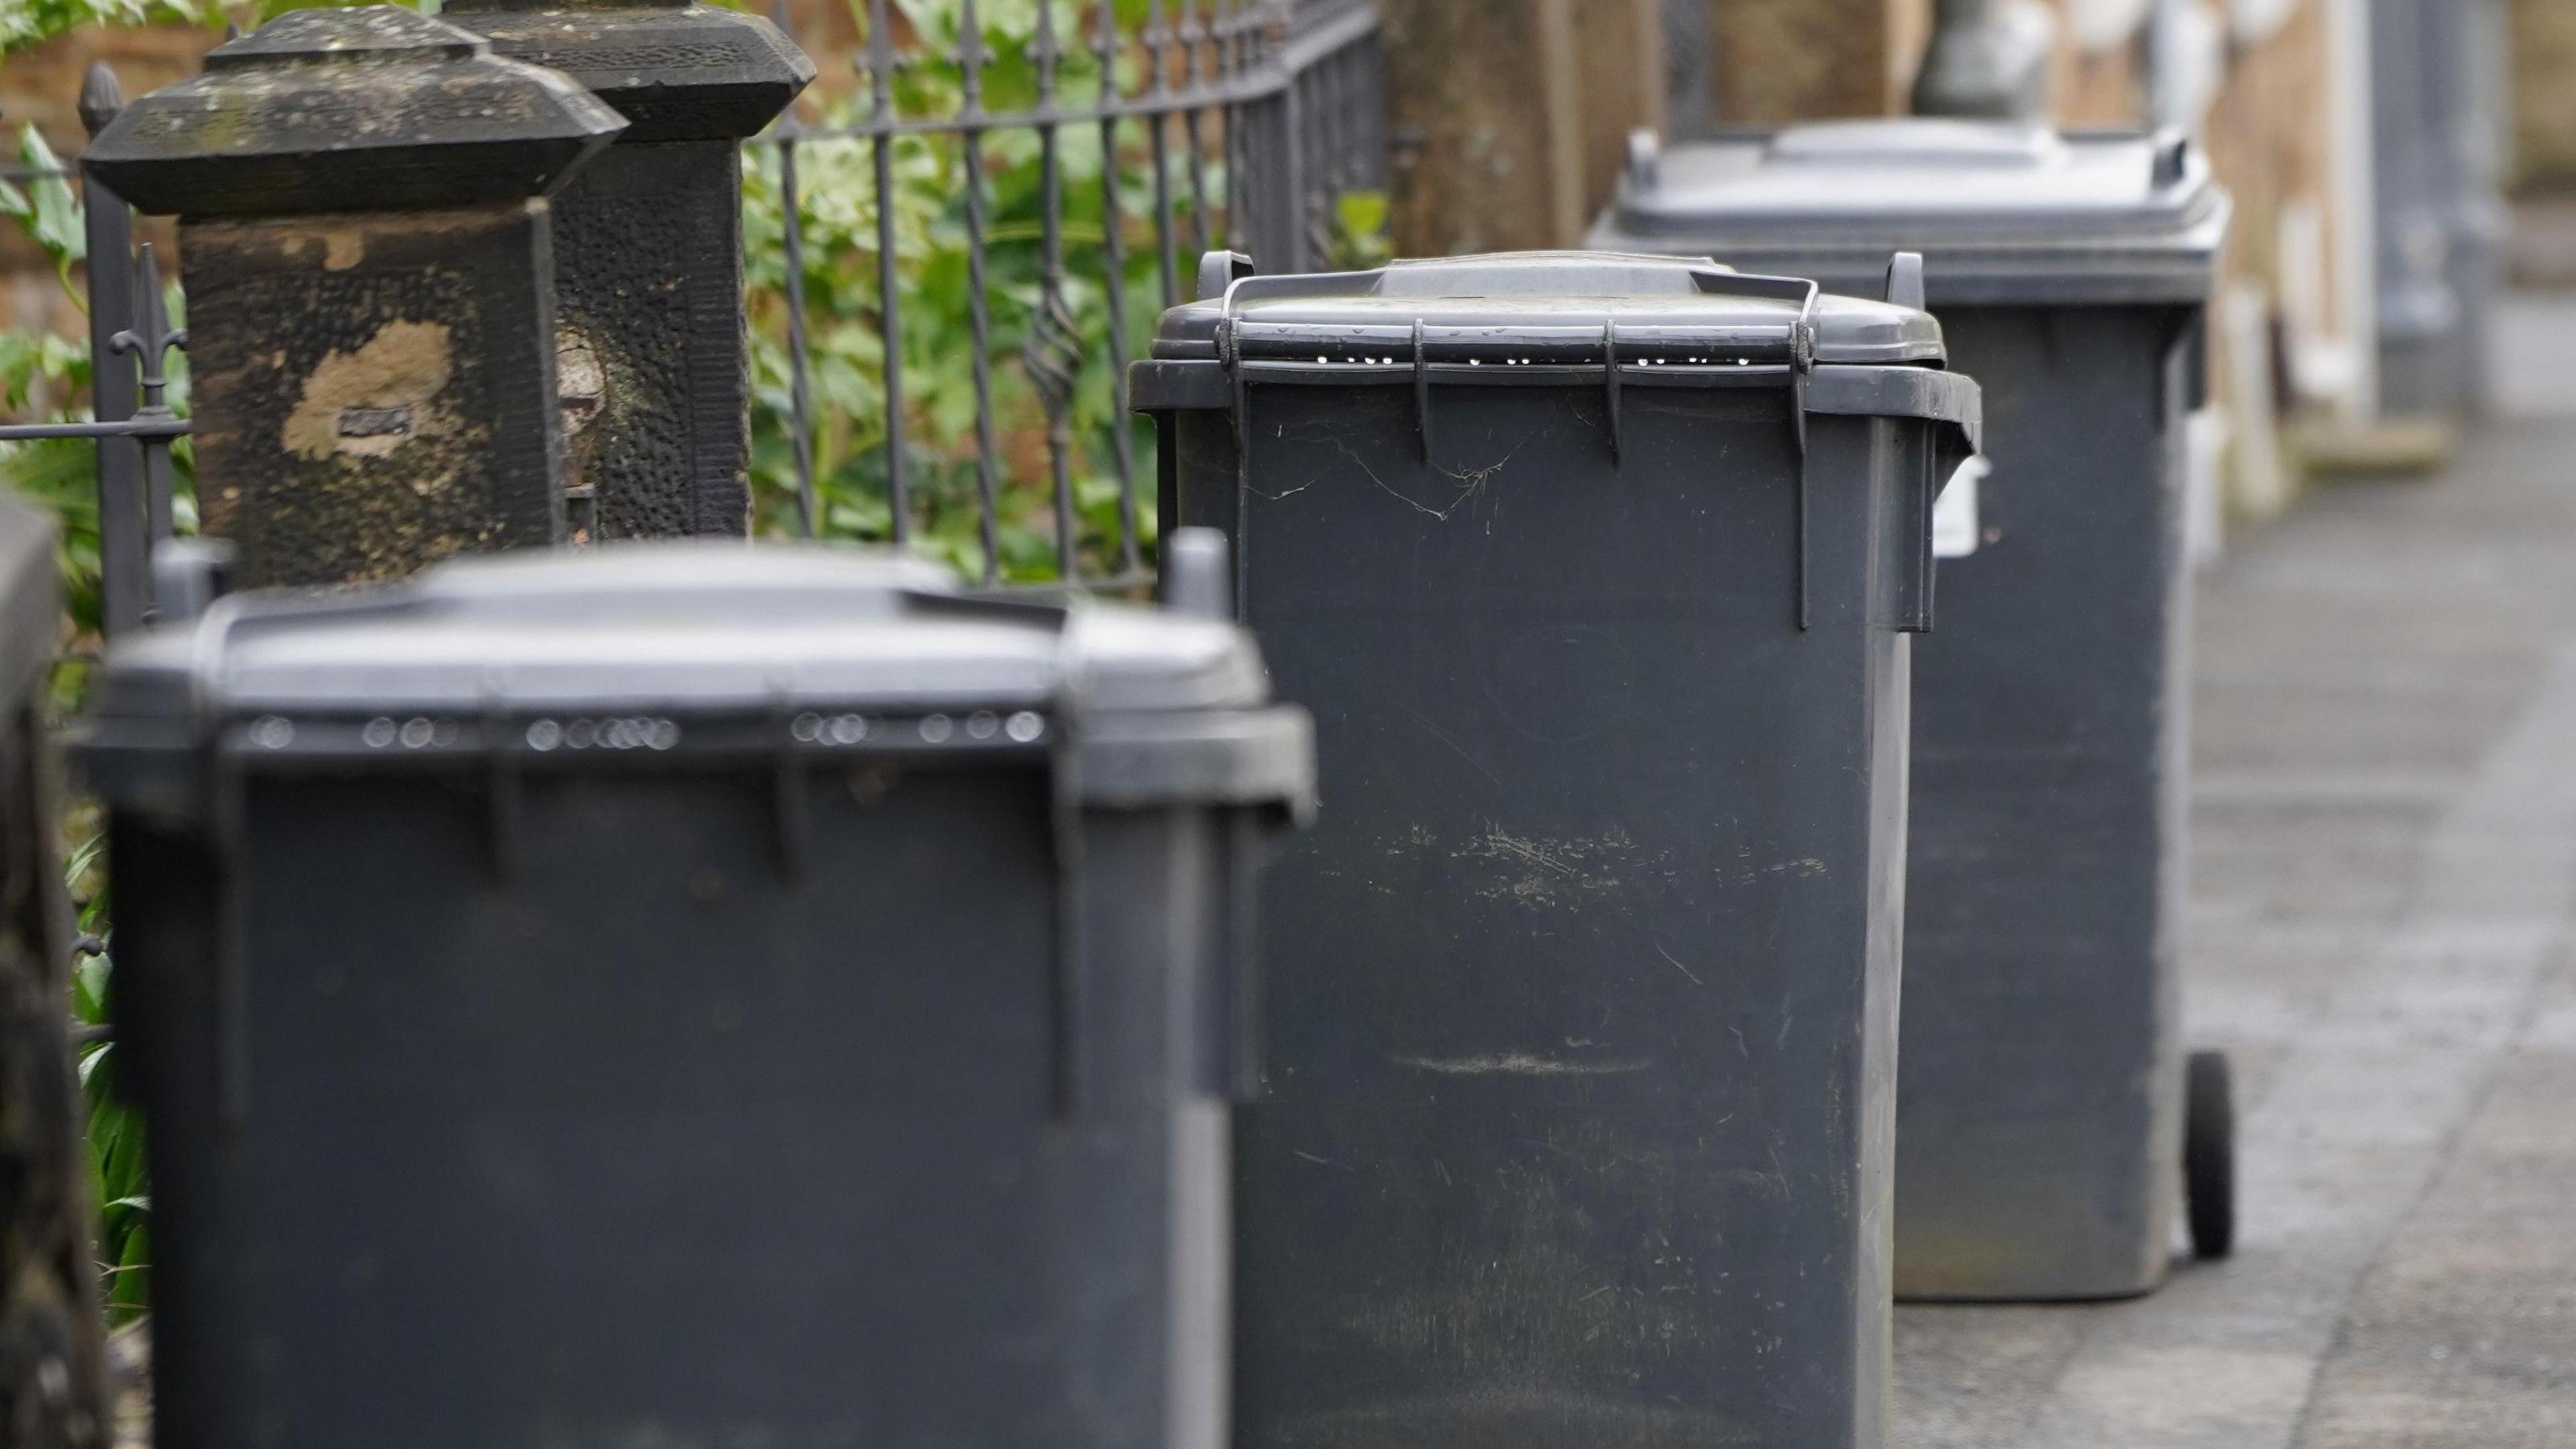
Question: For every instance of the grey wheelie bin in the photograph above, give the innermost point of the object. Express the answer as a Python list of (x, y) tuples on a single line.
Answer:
[(2042, 1086), (689, 995), (1598, 573)]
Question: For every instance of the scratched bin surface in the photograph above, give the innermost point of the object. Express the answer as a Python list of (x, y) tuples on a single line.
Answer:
[(1580, 1009), (2041, 1101)]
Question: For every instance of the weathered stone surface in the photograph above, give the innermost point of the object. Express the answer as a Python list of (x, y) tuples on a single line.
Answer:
[(677, 71), (653, 359), (655, 363), (370, 274), (374, 392), (350, 110)]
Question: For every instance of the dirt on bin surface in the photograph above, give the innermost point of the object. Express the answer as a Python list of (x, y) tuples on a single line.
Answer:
[(2382, 933)]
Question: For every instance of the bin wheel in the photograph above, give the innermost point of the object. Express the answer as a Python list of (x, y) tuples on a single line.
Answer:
[(2209, 1154)]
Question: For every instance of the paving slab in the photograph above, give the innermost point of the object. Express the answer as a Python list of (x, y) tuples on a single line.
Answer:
[(2382, 933)]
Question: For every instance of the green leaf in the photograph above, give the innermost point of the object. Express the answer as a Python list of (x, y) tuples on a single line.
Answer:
[(30, 22), (89, 992), (1363, 213), (54, 213), (129, 1286)]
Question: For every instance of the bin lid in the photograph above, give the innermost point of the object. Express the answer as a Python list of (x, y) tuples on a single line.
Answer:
[(1606, 319), (685, 648), (2003, 212), (1539, 308)]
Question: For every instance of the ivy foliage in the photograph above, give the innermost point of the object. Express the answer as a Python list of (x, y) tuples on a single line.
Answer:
[(846, 325), (26, 23)]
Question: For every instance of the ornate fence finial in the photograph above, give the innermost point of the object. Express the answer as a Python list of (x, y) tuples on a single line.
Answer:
[(101, 97), (149, 342)]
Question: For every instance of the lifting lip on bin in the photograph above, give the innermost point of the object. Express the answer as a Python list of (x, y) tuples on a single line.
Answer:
[(680, 652), (1554, 318), (1540, 308), (2003, 212)]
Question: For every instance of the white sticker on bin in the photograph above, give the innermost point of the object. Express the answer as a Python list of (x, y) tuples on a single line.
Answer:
[(1954, 518)]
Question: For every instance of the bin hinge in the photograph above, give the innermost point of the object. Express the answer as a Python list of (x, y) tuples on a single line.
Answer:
[(1422, 387), (1244, 982), (1802, 361), (789, 810), (504, 805), (1927, 492), (1229, 351), (226, 824), (1610, 383), (1070, 973)]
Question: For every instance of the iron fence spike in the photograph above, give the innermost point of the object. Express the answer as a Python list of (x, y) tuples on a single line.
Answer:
[(102, 97)]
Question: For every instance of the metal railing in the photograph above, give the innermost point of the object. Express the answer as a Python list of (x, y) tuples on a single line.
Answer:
[(1244, 122), (130, 341), (1236, 124)]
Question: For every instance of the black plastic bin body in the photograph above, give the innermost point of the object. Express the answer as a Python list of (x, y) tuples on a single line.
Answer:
[(1581, 1009), (806, 1027), (2040, 1118)]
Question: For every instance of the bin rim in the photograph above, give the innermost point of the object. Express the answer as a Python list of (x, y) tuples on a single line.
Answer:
[(685, 654), (1607, 319), (1951, 400), (2004, 212), (1514, 310)]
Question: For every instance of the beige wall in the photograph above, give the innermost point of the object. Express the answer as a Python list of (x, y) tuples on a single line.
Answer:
[(1511, 116), (2544, 95), (1787, 60)]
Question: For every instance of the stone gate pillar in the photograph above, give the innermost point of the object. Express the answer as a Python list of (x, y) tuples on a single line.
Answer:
[(365, 235), (654, 358)]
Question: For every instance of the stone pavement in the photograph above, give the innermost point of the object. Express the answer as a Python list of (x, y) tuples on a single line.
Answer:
[(2383, 935)]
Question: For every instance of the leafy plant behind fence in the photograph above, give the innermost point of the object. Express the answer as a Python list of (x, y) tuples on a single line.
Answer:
[(837, 193)]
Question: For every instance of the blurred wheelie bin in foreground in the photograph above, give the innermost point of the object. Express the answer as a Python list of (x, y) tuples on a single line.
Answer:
[(1598, 573), (687, 994), (2042, 1078)]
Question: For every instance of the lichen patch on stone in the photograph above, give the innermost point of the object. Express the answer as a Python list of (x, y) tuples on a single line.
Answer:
[(343, 248), (399, 373)]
